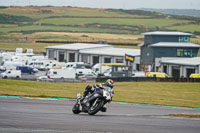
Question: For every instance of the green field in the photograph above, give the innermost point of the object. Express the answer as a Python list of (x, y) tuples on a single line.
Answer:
[(86, 24), (187, 28), (114, 21), (158, 93), (32, 19), (38, 47)]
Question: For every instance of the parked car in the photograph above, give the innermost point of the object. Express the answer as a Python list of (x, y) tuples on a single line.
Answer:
[(11, 74), (194, 75), (157, 75), (45, 79), (25, 69)]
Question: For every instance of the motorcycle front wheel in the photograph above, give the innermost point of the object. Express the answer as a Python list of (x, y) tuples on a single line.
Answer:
[(75, 109), (96, 106)]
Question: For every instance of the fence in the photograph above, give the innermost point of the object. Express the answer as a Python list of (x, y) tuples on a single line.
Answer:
[(139, 79), (116, 79)]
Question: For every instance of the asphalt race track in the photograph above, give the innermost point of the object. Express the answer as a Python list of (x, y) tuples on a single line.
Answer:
[(50, 116)]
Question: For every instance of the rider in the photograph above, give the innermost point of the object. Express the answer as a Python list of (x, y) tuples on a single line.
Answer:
[(108, 83), (91, 89)]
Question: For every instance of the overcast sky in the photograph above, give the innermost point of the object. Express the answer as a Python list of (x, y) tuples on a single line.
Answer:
[(124, 4)]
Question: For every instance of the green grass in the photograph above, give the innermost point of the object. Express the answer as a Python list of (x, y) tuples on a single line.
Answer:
[(158, 93), (25, 22), (72, 19), (37, 47), (45, 28), (185, 115), (7, 25), (91, 25), (8, 19), (36, 12), (56, 37), (40, 47), (187, 28), (113, 21)]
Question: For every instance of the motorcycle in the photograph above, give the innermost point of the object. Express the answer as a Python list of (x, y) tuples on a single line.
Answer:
[(93, 102)]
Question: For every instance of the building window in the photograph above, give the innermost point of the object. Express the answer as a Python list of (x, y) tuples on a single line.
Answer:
[(148, 40), (138, 67), (85, 58), (119, 60), (95, 60), (186, 53), (120, 69), (54, 72), (107, 60), (184, 39), (71, 57), (51, 54), (165, 68), (61, 56)]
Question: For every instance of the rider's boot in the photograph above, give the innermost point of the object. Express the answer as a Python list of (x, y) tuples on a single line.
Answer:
[(104, 108)]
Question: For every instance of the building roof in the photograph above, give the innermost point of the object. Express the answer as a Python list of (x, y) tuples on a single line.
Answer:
[(183, 61), (112, 51), (78, 46), (164, 33), (175, 44)]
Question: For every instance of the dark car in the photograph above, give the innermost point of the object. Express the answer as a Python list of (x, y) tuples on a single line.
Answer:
[(25, 69)]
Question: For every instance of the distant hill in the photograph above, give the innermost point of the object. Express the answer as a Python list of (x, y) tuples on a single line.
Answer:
[(180, 12), (55, 23)]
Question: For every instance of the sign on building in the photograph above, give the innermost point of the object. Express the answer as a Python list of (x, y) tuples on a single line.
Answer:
[(129, 58)]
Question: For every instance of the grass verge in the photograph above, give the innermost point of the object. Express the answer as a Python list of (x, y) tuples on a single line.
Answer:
[(157, 93), (185, 115)]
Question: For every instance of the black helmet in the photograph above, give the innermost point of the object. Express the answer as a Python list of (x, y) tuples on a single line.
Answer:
[(110, 83)]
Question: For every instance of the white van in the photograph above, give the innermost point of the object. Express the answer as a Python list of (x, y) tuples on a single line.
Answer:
[(61, 73), (36, 64), (11, 74), (80, 68), (11, 65), (48, 64), (100, 68), (72, 65)]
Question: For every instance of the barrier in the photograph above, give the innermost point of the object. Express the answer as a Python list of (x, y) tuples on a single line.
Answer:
[(148, 79), (119, 79)]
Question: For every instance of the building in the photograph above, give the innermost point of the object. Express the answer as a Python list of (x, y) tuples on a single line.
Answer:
[(92, 53), (180, 67), (168, 45)]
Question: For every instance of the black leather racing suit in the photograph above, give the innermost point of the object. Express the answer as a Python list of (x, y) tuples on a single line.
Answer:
[(90, 89)]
